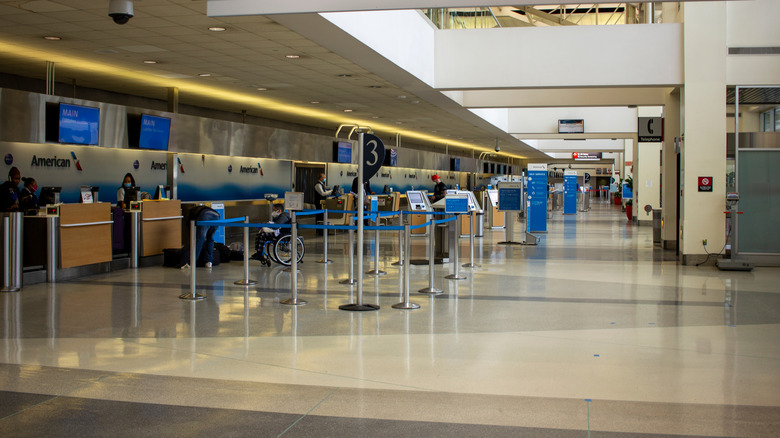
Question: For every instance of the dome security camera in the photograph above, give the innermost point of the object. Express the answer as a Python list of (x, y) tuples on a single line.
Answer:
[(498, 148), (121, 11)]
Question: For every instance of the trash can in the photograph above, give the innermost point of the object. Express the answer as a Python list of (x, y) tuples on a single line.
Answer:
[(12, 251), (479, 227), (657, 226)]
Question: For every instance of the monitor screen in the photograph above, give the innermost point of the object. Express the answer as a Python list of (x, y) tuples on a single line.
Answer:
[(155, 132), (342, 152), (415, 198), (49, 195), (571, 126), (493, 194), (78, 124)]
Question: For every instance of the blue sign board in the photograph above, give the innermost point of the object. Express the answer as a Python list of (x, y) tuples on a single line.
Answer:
[(510, 199), (79, 124), (219, 235), (627, 193), (155, 132), (537, 198), (570, 193), (456, 204)]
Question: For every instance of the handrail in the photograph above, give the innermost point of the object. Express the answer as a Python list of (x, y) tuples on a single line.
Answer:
[(86, 224)]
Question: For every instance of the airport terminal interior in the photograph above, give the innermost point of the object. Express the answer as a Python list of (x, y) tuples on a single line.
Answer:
[(604, 260)]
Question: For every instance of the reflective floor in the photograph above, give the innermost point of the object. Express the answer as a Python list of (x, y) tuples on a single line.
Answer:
[(594, 332)]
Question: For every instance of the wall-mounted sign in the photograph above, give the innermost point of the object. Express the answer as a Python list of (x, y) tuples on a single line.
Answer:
[(571, 126), (705, 183), (651, 129), (586, 156)]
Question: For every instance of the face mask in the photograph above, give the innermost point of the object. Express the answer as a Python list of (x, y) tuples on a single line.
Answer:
[(128, 185), (324, 179), (275, 214), (34, 187)]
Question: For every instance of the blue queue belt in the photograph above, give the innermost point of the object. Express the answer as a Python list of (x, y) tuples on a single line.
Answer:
[(239, 222)]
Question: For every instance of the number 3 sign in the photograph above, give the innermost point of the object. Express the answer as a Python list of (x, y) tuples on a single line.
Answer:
[(373, 155)]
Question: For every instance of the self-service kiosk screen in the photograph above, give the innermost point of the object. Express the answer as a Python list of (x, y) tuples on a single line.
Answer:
[(416, 200), (493, 194)]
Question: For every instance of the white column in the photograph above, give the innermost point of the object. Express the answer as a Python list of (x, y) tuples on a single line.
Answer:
[(704, 128)]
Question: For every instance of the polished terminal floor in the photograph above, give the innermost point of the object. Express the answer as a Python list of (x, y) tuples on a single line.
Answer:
[(592, 333)]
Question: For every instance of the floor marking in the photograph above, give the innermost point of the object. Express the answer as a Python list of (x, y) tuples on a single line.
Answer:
[(308, 412)]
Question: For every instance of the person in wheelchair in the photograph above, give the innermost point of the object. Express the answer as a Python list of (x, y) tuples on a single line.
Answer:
[(267, 234)]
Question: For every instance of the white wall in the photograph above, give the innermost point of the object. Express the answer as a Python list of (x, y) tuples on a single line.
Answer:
[(598, 119), (404, 37), (559, 56)]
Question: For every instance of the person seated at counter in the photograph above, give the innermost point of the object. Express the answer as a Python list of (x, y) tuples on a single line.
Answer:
[(127, 183), (9, 191), (28, 200)]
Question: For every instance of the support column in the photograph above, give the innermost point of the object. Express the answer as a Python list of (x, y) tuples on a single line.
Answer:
[(670, 196), (173, 100), (704, 126)]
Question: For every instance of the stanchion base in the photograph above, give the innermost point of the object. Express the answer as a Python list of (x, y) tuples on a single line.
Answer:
[(191, 297), (11, 289), (455, 277), (410, 306), (293, 302), (509, 242), (376, 272), (290, 270), (436, 261), (430, 290), (324, 261), (398, 263), (359, 307), (348, 281), (245, 283), (471, 265)]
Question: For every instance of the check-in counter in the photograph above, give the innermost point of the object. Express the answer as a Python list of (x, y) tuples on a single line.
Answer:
[(85, 234), (160, 226)]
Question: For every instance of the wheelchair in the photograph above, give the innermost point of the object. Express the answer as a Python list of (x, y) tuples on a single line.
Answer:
[(270, 247)]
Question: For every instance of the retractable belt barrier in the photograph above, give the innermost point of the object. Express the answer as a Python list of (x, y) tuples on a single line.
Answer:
[(243, 222)]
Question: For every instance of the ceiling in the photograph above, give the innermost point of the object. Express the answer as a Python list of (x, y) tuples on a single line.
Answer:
[(250, 54)]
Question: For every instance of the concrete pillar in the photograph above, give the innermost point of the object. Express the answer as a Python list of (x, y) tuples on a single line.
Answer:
[(704, 128), (670, 195)]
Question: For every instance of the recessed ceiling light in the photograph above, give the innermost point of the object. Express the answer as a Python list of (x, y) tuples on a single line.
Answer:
[(374, 117), (314, 102), (374, 86), (402, 97), (344, 75), (217, 29), (261, 89), (150, 61), (347, 110), (52, 38), (204, 75), (292, 56)]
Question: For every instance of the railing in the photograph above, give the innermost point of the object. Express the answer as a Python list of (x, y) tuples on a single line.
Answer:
[(584, 14)]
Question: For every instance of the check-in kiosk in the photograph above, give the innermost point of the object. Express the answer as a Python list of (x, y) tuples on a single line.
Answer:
[(465, 223), (496, 217), (418, 202)]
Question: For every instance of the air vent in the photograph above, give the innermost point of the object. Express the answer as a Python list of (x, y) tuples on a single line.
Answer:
[(754, 50)]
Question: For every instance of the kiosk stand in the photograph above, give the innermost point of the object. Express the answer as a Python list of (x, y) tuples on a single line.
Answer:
[(456, 204)]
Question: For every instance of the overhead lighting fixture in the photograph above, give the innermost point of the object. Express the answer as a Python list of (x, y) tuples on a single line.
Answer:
[(347, 110), (402, 97), (344, 75), (217, 29), (150, 61), (204, 75), (314, 102), (52, 38), (292, 56), (261, 89), (374, 86)]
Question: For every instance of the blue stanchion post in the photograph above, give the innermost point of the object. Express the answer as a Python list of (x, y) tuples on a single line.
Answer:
[(246, 281), (406, 304), (192, 295)]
